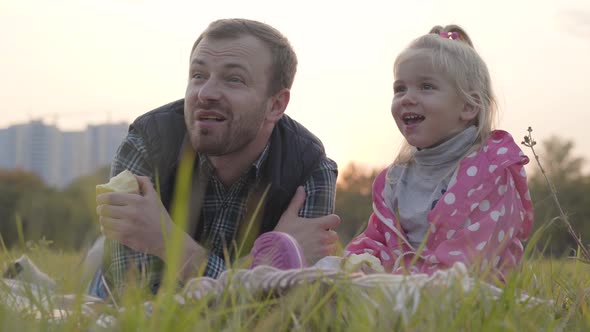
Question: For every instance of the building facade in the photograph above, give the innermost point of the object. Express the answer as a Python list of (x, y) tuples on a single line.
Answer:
[(59, 157)]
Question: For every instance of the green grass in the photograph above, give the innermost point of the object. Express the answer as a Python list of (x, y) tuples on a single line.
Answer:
[(339, 307)]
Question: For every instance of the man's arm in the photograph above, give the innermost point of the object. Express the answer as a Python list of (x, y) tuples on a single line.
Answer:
[(309, 217), (132, 226), (131, 155), (320, 190)]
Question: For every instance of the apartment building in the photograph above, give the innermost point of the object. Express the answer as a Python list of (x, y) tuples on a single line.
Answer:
[(59, 156)]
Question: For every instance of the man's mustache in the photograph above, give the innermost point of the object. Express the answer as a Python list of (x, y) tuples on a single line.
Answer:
[(212, 106)]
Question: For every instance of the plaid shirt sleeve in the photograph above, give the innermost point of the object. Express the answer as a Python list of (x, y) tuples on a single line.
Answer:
[(320, 190), (132, 155)]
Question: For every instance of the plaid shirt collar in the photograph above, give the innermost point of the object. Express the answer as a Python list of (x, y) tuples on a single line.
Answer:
[(255, 169)]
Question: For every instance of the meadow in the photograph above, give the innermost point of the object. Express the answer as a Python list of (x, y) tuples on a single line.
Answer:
[(562, 284)]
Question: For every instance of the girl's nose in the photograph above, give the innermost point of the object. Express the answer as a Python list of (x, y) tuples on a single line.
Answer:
[(408, 98)]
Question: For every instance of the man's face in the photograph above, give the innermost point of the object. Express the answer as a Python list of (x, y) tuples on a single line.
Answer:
[(227, 99)]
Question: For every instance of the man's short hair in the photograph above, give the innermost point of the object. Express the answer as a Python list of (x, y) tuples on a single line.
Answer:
[(284, 59)]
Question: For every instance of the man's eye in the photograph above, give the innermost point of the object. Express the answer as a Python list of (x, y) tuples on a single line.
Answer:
[(235, 79), (197, 76)]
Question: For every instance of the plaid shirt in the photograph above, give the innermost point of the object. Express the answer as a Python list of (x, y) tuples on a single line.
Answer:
[(222, 209)]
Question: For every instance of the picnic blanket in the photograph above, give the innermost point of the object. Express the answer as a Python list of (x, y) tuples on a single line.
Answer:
[(403, 292)]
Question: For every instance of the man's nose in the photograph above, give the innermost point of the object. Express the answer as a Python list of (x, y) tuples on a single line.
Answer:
[(209, 90)]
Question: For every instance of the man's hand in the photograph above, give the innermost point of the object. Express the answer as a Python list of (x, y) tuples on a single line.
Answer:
[(135, 220), (315, 235)]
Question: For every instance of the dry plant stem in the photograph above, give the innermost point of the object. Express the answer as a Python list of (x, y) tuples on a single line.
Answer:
[(530, 142)]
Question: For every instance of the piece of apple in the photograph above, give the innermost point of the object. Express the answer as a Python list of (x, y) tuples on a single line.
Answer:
[(124, 182), (355, 263)]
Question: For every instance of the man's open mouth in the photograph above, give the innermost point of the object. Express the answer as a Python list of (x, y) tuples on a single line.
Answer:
[(211, 118)]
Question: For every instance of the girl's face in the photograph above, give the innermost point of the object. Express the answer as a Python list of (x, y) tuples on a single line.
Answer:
[(427, 108)]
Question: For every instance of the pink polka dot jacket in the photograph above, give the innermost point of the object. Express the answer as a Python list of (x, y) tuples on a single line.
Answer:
[(481, 220)]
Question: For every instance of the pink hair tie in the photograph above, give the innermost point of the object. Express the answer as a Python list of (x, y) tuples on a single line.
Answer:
[(449, 35)]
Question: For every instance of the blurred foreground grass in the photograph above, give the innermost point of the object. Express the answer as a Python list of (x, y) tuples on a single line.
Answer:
[(339, 308)]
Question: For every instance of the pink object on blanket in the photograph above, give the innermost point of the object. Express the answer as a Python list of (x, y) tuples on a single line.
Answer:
[(482, 218), (279, 250)]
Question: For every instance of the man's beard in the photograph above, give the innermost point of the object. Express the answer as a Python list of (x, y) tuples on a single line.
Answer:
[(232, 139)]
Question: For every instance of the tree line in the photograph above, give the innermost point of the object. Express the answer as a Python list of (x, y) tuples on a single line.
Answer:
[(32, 211)]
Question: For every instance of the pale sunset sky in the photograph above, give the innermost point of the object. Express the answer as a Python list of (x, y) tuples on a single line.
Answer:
[(95, 60)]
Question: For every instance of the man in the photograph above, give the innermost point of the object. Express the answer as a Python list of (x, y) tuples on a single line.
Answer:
[(245, 150)]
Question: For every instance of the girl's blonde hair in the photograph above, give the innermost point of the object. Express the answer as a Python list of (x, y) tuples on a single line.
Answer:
[(461, 64)]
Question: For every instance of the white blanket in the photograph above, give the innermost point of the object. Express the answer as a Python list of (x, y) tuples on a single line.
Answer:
[(403, 293)]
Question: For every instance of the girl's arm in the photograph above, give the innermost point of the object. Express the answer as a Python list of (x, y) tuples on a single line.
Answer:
[(383, 237)]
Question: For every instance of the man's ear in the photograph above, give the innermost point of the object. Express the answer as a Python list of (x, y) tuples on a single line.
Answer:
[(471, 109), (278, 105)]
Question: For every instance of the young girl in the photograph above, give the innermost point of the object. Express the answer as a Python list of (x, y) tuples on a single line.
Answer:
[(457, 191)]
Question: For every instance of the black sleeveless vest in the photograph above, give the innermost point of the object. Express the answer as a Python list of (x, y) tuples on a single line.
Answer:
[(293, 154)]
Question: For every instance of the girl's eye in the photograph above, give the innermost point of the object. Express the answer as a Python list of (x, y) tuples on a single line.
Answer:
[(399, 88), (427, 86)]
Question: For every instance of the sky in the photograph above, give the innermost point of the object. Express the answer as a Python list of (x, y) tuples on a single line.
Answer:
[(75, 63)]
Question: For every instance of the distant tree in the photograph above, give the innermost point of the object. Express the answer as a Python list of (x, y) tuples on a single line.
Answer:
[(573, 191), (67, 218), (354, 200), (45, 214), (559, 162), (83, 218), (15, 184)]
